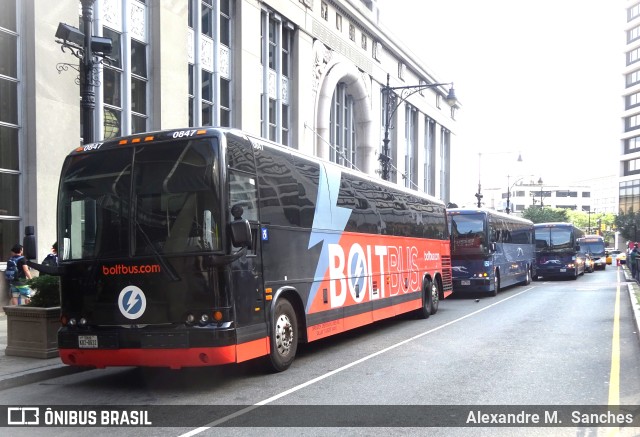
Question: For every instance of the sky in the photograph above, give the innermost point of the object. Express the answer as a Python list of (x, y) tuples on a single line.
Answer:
[(542, 79)]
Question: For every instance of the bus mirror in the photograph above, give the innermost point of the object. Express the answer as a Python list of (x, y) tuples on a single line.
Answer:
[(241, 233), (29, 243)]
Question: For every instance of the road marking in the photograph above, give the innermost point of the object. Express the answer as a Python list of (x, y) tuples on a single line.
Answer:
[(614, 377), (343, 368)]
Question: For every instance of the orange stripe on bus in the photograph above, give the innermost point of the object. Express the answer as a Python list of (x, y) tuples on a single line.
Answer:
[(327, 329), (252, 349)]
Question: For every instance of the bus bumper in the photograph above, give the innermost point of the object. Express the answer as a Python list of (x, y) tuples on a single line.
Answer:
[(473, 285), (556, 272), (143, 348)]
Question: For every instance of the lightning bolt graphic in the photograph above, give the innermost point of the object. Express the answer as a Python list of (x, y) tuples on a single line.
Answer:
[(133, 299), (328, 217)]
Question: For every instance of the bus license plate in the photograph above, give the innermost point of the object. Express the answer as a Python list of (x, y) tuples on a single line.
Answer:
[(465, 282), (563, 270), (88, 341)]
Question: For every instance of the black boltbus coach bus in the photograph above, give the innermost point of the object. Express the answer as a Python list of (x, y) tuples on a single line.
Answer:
[(199, 247)]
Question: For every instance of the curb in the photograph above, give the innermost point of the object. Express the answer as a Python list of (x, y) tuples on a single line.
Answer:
[(37, 375), (633, 288)]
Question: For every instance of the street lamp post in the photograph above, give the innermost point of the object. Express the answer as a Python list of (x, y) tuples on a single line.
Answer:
[(479, 195), (91, 51), (510, 187), (392, 102), (541, 201)]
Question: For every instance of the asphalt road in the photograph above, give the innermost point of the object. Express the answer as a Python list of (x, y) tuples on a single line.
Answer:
[(550, 344)]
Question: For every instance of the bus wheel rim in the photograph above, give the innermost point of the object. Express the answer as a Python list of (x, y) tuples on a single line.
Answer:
[(284, 334)]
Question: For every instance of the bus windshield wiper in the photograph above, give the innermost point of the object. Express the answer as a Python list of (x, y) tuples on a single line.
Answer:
[(166, 267)]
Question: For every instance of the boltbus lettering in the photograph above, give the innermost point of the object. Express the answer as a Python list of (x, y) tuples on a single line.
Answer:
[(352, 275), (121, 269)]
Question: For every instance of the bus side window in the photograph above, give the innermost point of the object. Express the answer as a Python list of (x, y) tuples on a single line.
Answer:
[(242, 191)]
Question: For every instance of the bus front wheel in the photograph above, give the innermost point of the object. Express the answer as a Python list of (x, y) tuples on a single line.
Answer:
[(283, 336)]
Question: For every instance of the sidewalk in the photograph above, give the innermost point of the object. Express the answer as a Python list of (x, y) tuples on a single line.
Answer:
[(17, 371)]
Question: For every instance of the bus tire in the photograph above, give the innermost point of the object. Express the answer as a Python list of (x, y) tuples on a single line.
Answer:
[(435, 297), (496, 283), (283, 336), (527, 278), (427, 300)]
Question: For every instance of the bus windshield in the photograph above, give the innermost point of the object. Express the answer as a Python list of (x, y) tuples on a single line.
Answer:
[(152, 199), (468, 232), (593, 246), (554, 239)]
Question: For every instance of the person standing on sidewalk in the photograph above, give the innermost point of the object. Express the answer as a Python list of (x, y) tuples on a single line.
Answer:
[(633, 256), (20, 292)]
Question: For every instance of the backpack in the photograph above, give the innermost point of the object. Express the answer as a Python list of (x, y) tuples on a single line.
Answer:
[(11, 273)]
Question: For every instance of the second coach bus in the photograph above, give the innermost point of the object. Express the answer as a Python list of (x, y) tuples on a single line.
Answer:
[(490, 250), (198, 247), (594, 246), (558, 251)]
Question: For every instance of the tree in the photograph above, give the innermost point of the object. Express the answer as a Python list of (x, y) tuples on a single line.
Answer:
[(628, 225), (545, 215)]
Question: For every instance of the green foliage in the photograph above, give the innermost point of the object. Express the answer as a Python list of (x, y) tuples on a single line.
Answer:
[(628, 225), (47, 291), (545, 215)]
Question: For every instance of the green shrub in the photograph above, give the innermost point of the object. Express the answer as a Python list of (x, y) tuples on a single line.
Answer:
[(46, 291)]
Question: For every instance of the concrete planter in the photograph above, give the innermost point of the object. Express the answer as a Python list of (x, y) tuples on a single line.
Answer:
[(32, 331)]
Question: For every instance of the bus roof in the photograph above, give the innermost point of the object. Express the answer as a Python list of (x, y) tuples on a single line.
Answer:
[(554, 224), (490, 212)]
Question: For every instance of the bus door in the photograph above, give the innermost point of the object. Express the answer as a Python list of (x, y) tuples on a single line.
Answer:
[(247, 284)]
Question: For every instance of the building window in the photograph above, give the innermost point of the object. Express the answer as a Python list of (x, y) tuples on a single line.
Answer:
[(585, 194), (352, 32), (210, 96), (363, 41), (633, 78), (633, 12), (10, 144), (632, 100), (633, 34), (632, 145), (410, 152), (342, 128), (276, 43), (633, 56), (632, 167), (339, 22), (629, 195), (324, 11), (376, 49), (632, 122), (445, 153), (429, 185), (125, 95)]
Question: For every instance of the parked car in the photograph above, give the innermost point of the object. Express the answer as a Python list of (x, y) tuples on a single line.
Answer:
[(621, 258), (612, 254)]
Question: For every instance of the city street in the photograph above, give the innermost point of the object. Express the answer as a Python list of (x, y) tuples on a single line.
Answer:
[(552, 343)]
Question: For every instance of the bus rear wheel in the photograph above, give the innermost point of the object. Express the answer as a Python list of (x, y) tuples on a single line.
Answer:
[(283, 336)]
